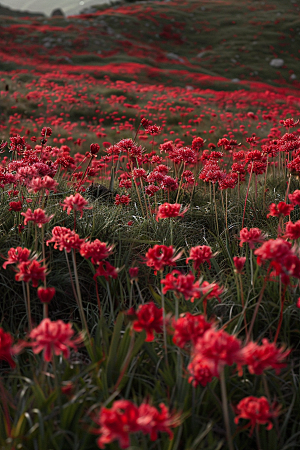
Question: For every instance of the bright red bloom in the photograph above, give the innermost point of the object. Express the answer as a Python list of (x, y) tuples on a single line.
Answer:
[(251, 237), (274, 249), (151, 420), (46, 131), (46, 294), (94, 149), (189, 328), (31, 271), (265, 356), (15, 206), (150, 319), (239, 263), (76, 203), (282, 209), (161, 256), (6, 348), (202, 370), (220, 348), (210, 290), (133, 273), (295, 197), (39, 183), (180, 284), (199, 255), (169, 210), (197, 143), (17, 255), (53, 338), (106, 270), (117, 423), (96, 250), (122, 199), (257, 410), (292, 230), (64, 238), (38, 216)]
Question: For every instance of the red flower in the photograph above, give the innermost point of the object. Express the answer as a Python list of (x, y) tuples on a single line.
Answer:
[(46, 294), (257, 410), (17, 255), (39, 183), (180, 284), (152, 421), (253, 236), (106, 270), (282, 209), (15, 206), (295, 197), (202, 370), (31, 271), (292, 230), (117, 423), (96, 250), (94, 149), (189, 328), (64, 238), (150, 319), (76, 203), (265, 356), (169, 210), (133, 273), (53, 338), (122, 199), (46, 131), (210, 290), (38, 216), (239, 263), (161, 256), (6, 348), (199, 255)]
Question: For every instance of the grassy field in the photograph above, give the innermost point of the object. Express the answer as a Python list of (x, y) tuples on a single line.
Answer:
[(150, 228)]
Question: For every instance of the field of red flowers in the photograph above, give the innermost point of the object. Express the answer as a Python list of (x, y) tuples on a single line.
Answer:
[(150, 228)]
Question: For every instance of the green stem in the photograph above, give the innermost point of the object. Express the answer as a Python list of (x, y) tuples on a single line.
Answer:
[(225, 410), (81, 310)]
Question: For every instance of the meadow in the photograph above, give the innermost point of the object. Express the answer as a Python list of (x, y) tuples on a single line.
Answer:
[(150, 227)]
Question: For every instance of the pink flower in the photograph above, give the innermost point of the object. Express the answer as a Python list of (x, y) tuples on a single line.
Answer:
[(53, 338), (31, 271), (251, 237), (76, 203), (64, 238), (38, 216)]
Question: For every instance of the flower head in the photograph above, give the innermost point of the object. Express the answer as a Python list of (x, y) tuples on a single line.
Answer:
[(76, 203), (257, 410), (169, 210), (150, 319), (161, 256)]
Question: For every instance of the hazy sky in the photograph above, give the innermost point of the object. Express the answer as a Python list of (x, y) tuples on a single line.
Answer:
[(46, 6)]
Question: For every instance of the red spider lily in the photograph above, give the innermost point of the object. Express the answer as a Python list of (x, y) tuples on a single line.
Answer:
[(292, 230), (31, 271), (149, 128), (7, 349), (94, 149), (197, 144), (161, 256), (15, 206), (180, 284), (199, 255), (76, 203), (289, 123), (150, 319), (266, 356), (124, 418), (122, 199), (17, 255), (210, 290), (239, 263), (189, 328), (201, 370), (106, 270), (282, 209), (39, 183), (168, 210), (295, 197), (96, 250), (133, 273), (46, 294), (251, 237), (64, 238), (53, 338), (38, 216), (257, 410), (46, 131)]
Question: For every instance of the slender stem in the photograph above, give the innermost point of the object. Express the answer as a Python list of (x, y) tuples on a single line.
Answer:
[(225, 410), (81, 310), (282, 298), (243, 303), (28, 307), (258, 304), (126, 362), (71, 278), (164, 321), (98, 298), (247, 195), (216, 212), (45, 310)]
